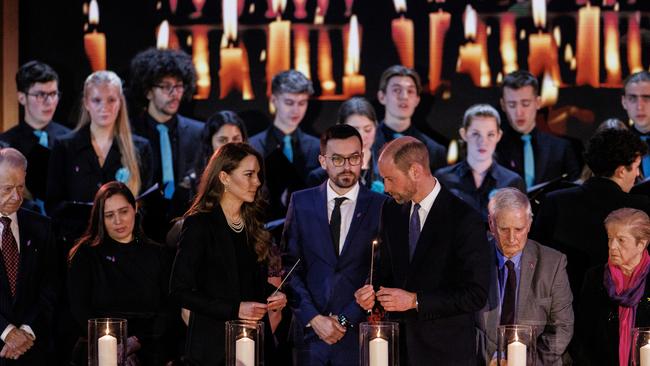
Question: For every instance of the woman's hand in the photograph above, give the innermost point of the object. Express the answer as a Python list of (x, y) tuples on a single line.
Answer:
[(249, 310), (277, 301)]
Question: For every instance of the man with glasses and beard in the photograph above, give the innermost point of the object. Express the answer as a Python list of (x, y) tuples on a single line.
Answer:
[(330, 228), (160, 81)]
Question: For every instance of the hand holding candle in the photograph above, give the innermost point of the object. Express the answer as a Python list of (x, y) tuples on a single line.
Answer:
[(250, 310), (365, 297), (277, 301)]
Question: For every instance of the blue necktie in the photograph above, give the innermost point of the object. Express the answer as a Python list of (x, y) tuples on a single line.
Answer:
[(42, 137), (287, 149), (414, 230), (529, 161), (166, 158), (397, 135), (645, 163)]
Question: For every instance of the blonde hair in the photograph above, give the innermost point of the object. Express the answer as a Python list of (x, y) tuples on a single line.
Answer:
[(122, 129)]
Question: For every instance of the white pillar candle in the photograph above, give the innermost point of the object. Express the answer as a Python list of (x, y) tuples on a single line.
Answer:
[(245, 352), (378, 352), (516, 354), (107, 351), (645, 355)]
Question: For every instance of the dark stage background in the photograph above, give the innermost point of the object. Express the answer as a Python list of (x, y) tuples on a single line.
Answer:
[(52, 31)]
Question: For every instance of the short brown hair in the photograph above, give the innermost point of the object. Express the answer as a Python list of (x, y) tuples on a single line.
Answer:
[(405, 151), (399, 70)]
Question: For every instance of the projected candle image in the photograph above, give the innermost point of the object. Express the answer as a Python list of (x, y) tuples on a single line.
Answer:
[(94, 41), (353, 83), (402, 33), (438, 26)]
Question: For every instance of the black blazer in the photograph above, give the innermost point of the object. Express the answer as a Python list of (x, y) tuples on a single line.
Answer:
[(205, 280), (554, 155), (448, 273), (571, 221), (75, 175), (597, 320), (36, 287)]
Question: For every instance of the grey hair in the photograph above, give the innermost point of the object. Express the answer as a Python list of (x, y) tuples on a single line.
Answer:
[(13, 157), (509, 199), (291, 81), (480, 110)]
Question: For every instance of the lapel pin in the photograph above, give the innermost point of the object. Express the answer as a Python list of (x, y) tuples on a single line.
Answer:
[(29, 242), (76, 168), (110, 258)]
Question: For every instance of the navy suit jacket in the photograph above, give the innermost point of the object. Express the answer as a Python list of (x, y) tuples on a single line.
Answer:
[(35, 287), (325, 283)]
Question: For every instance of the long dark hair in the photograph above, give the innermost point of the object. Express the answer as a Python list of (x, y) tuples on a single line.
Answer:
[(212, 126), (96, 232), (227, 158)]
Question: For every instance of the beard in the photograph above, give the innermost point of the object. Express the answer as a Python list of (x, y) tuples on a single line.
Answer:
[(406, 195), (345, 179)]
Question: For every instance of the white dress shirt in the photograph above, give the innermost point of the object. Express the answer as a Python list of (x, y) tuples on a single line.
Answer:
[(426, 204), (14, 230), (347, 209)]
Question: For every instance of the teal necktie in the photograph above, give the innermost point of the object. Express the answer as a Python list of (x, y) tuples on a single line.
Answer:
[(529, 161), (42, 137), (645, 163), (287, 148), (397, 135), (166, 158)]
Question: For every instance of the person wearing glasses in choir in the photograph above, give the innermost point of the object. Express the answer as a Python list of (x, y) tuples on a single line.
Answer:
[(220, 270), (38, 93), (160, 81), (478, 176)]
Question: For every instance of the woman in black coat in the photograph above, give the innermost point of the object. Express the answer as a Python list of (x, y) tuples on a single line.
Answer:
[(220, 271), (116, 272)]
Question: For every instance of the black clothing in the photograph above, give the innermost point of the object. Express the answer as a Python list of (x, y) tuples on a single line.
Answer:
[(571, 221), (75, 176), (597, 321), (123, 280), (459, 180), (22, 138), (206, 279), (554, 156), (437, 152)]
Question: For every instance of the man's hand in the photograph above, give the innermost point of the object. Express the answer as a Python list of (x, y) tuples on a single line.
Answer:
[(249, 310), (277, 301), (17, 343), (365, 297), (327, 328), (396, 299)]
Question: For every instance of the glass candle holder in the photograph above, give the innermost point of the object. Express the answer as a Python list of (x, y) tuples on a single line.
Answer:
[(640, 355), (516, 345), (379, 344), (244, 343), (107, 342)]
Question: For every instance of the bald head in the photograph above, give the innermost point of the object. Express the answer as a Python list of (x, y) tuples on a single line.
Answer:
[(404, 152)]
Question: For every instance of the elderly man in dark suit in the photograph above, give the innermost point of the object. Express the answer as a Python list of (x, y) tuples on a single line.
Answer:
[(528, 282), (27, 293), (535, 155), (330, 228), (434, 258)]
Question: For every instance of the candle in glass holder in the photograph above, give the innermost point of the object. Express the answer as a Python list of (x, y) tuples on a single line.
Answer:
[(107, 350), (438, 25), (644, 355), (245, 351), (588, 47), (516, 354), (378, 351)]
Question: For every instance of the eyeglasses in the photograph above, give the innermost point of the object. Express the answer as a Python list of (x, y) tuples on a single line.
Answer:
[(41, 97), (339, 161), (169, 88)]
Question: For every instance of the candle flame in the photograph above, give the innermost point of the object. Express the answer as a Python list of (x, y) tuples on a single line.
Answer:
[(278, 6), (539, 13), (470, 20), (229, 14), (353, 59), (400, 6), (549, 91), (557, 35), (522, 34), (568, 53), (452, 152), (375, 242), (107, 330), (162, 39), (93, 13)]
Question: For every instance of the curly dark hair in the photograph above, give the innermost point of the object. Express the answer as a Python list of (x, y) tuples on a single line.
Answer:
[(149, 67), (610, 148)]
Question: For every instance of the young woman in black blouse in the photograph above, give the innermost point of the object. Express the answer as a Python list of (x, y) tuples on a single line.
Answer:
[(220, 271), (101, 149), (116, 272)]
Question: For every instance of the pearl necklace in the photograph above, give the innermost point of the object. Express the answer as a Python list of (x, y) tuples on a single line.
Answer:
[(237, 226)]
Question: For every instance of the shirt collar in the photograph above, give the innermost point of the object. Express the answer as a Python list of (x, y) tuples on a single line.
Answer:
[(501, 259), (171, 124), (13, 217), (427, 202), (351, 195), (279, 135)]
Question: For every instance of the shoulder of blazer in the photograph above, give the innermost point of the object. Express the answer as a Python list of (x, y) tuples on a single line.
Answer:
[(186, 122), (34, 221)]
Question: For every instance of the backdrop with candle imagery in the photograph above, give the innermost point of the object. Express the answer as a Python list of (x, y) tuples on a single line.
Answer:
[(580, 51)]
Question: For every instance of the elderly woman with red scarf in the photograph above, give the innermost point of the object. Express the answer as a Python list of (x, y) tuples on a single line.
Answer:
[(615, 296)]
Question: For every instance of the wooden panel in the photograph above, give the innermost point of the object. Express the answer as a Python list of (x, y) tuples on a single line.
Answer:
[(8, 63)]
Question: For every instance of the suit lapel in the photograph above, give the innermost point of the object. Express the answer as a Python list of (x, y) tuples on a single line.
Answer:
[(363, 200), (322, 222), (400, 246), (528, 264), (27, 249)]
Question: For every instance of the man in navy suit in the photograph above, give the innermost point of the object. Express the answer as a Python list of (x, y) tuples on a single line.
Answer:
[(160, 80), (27, 293), (289, 153), (535, 155), (434, 261), (331, 229)]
